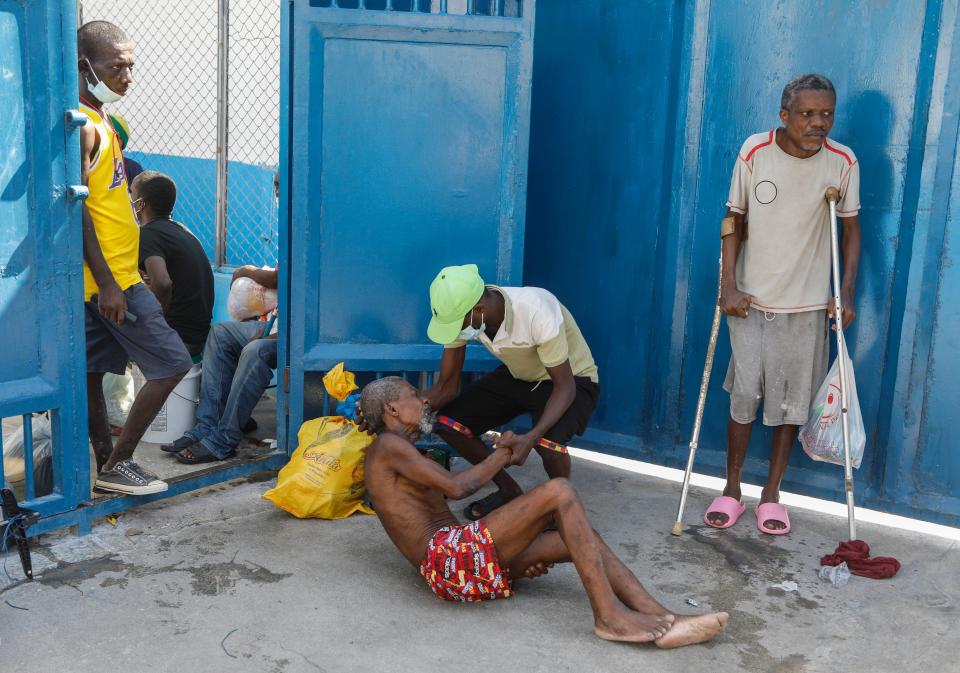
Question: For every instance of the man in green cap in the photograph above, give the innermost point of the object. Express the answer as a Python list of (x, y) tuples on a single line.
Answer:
[(547, 372)]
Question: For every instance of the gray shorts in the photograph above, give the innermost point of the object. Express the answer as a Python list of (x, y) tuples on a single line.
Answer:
[(150, 342), (780, 358)]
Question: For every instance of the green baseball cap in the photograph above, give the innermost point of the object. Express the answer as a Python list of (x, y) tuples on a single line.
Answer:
[(122, 128), (453, 293)]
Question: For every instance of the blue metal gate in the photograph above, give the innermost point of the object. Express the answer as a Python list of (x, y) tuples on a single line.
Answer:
[(40, 246), (404, 132), (42, 364)]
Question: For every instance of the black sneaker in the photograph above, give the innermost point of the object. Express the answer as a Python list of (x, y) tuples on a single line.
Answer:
[(129, 478)]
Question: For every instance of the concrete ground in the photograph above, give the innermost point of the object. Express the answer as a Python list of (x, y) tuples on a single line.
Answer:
[(222, 580)]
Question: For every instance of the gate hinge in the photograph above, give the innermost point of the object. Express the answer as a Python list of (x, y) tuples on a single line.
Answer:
[(286, 379)]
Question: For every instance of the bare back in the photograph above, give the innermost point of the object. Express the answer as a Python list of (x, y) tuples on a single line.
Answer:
[(410, 512)]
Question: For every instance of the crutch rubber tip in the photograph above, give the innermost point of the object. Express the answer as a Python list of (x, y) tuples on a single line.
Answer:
[(832, 194), (677, 529)]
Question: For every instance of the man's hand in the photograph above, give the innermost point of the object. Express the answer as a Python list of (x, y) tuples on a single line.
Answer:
[(537, 569), (734, 302), (242, 272), (362, 424), (849, 309), (519, 445), (112, 303)]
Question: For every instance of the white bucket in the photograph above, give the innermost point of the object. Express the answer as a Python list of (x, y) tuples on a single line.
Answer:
[(179, 413)]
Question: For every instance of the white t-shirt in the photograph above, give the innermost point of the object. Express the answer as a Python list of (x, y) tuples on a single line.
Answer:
[(785, 261), (537, 332)]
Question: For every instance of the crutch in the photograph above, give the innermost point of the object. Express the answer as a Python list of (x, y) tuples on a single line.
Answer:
[(701, 401), (832, 195)]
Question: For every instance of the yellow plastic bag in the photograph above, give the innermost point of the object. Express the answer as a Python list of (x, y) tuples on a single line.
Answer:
[(339, 382), (324, 478)]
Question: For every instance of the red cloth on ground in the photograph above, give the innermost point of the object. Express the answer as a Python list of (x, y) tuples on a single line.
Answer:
[(856, 554)]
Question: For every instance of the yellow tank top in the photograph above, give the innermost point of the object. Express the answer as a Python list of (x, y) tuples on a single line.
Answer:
[(110, 208)]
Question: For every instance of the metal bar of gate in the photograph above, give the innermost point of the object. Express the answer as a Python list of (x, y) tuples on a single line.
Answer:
[(28, 466), (223, 134)]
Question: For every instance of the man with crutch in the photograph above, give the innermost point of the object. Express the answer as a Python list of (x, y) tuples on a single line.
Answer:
[(775, 283)]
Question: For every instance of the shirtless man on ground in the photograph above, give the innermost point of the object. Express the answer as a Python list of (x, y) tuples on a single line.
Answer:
[(476, 561)]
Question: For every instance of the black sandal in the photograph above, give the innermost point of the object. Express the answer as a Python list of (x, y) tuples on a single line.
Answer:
[(179, 445), (198, 453), (483, 506)]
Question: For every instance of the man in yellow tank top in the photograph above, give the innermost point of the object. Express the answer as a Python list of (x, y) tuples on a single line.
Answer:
[(124, 320)]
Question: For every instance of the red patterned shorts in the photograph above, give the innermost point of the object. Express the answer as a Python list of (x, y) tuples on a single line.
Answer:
[(461, 564)]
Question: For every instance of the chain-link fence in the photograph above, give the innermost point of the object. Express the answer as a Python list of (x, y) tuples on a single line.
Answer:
[(254, 95), (172, 110)]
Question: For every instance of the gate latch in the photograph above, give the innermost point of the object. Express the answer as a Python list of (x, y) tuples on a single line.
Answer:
[(78, 192), (74, 118)]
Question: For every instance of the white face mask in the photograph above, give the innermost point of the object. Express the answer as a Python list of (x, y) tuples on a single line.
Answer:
[(470, 332), (100, 90)]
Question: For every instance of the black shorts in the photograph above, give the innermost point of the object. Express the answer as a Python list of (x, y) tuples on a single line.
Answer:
[(498, 398)]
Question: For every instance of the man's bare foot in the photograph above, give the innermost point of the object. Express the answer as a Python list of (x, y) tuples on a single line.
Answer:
[(690, 630), (633, 627)]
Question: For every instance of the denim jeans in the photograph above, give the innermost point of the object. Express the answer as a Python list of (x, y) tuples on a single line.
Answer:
[(236, 371)]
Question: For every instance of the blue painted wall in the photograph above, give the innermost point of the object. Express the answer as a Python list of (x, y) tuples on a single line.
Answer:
[(633, 137), (252, 209)]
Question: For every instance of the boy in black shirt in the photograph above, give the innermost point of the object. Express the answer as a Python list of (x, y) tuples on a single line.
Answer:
[(174, 261)]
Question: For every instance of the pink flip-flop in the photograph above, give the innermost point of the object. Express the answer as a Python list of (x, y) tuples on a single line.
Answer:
[(772, 511), (724, 504)]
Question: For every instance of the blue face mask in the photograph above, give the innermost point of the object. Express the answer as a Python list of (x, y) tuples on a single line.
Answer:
[(470, 332)]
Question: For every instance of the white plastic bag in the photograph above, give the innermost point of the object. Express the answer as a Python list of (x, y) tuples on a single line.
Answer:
[(822, 435), (248, 299), (14, 466), (118, 393)]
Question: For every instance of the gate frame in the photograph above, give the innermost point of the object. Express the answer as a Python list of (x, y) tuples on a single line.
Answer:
[(72, 468)]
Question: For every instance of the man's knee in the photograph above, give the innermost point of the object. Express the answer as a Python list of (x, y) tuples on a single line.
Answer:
[(561, 491), (169, 382), (216, 333), (256, 351)]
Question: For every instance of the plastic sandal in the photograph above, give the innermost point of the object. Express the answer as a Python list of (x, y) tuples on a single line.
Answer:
[(772, 511), (724, 504)]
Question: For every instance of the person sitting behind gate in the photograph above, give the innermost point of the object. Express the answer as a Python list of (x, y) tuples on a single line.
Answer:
[(476, 561), (173, 260), (238, 364)]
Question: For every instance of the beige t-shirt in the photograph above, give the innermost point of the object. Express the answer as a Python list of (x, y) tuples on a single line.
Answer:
[(537, 332), (785, 261)]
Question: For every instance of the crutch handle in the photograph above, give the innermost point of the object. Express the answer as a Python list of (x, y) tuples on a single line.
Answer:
[(832, 194)]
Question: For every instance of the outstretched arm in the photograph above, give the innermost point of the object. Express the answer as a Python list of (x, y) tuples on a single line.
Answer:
[(268, 278), (406, 461), (561, 397), (448, 383)]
